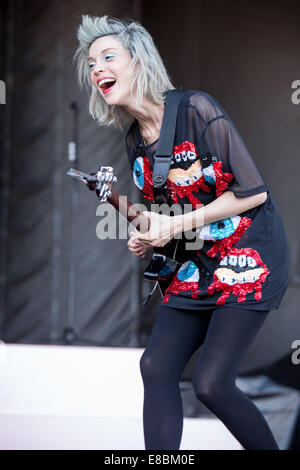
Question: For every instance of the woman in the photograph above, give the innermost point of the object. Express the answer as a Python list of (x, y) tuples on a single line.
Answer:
[(223, 292)]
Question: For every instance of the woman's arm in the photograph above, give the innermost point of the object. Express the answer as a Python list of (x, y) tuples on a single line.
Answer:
[(163, 228), (225, 206)]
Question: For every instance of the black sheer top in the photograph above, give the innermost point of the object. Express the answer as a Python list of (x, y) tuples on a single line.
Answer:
[(243, 260)]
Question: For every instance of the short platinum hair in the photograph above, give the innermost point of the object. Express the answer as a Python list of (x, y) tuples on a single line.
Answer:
[(150, 79)]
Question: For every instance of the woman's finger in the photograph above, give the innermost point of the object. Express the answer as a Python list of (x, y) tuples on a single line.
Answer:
[(136, 249), (138, 253)]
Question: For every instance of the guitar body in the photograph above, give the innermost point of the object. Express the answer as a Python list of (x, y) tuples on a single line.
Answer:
[(163, 263), (162, 267)]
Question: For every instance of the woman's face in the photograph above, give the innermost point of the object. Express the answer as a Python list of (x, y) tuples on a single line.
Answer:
[(109, 59)]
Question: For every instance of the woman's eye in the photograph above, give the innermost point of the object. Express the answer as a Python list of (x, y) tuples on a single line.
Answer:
[(109, 55)]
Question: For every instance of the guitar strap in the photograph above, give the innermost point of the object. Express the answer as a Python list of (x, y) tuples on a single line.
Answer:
[(163, 154), (162, 160)]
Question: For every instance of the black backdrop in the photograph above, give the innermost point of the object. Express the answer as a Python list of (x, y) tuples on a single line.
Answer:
[(246, 54)]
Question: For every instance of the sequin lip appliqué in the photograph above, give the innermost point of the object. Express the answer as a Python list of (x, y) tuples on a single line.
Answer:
[(185, 176), (239, 272)]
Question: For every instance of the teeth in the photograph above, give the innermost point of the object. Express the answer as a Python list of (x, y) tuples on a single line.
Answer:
[(231, 277), (242, 261), (184, 156), (187, 181), (105, 80)]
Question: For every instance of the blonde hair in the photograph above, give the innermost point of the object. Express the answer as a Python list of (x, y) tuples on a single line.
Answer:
[(149, 79)]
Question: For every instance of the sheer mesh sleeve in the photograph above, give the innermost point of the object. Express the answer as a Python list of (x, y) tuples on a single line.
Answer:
[(216, 133)]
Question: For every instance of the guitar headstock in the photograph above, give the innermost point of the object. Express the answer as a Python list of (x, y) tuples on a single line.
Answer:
[(100, 182), (105, 178)]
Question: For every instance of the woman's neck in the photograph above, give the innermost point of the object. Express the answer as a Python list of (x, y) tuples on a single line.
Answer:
[(149, 117)]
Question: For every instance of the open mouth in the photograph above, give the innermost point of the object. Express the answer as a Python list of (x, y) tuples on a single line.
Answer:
[(106, 87), (238, 268)]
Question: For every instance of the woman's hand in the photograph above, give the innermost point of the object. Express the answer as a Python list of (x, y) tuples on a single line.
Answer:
[(162, 229), (137, 247)]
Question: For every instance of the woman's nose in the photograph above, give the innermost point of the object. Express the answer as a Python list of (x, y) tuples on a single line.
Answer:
[(97, 70)]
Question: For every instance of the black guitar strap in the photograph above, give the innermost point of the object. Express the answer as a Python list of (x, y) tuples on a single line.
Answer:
[(162, 161), (163, 155)]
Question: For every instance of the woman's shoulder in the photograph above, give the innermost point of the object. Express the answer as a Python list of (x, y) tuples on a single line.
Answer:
[(203, 103)]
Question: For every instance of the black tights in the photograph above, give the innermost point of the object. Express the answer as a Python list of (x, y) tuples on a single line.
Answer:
[(225, 335)]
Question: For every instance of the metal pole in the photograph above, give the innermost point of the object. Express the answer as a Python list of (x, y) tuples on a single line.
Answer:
[(69, 330)]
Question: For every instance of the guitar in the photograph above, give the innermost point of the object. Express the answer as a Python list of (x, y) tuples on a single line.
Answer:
[(163, 262)]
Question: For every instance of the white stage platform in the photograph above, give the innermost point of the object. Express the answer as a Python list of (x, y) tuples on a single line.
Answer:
[(71, 397)]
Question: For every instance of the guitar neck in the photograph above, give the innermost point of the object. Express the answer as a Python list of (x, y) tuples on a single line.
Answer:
[(128, 210)]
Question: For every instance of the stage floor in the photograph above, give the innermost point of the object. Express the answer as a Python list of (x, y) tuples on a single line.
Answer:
[(84, 398)]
